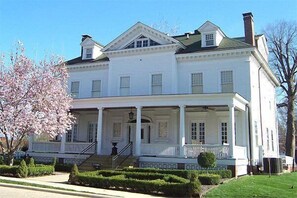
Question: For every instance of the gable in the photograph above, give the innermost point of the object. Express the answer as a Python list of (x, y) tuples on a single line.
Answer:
[(140, 32)]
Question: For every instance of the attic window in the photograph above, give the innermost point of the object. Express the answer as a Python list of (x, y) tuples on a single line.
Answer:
[(89, 53), (209, 41), (142, 42)]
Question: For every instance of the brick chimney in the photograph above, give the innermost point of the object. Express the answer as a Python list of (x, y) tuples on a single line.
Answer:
[(249, 28)]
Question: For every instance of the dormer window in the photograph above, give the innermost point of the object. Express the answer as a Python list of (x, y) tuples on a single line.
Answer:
[(142, 41), (209, 41), (89, 53)]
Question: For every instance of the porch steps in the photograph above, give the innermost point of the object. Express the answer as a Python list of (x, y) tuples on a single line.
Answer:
[(105, 162)]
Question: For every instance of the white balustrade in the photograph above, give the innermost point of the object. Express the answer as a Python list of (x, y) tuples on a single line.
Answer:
[(159, 149), (220, 151), (49, 147)]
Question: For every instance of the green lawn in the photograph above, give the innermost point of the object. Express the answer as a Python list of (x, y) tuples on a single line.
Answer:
[(258, 186)]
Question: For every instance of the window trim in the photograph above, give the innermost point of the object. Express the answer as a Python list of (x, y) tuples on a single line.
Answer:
[(71, 92), (198, 85), (221, 83), (121, 87), (152, 86), (96, 91), (90, 53)]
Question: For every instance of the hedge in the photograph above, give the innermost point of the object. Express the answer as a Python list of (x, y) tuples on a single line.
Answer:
[(119, 180), (209, 179), (39, 170), (181, 173), (8, 170), (63, 167)]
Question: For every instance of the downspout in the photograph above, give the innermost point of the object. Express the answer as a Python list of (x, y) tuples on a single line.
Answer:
[(260, 103), (250, 141)]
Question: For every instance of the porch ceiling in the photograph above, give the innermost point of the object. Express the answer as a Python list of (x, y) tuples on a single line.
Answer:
[(217, 101)]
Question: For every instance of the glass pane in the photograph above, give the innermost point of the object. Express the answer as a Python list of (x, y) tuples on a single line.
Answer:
[(96, 85)]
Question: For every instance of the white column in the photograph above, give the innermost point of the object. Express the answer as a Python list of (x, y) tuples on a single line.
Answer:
[(181, 130), (63, 141), (99, 131), (138, 132), (31, 140), (231, 130)]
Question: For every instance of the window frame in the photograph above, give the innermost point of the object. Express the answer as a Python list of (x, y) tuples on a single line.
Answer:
[(74, 93), (88, 53), (196, 85), (124, 89), (155, 86), (225, 83), (209, 39), (224, 134), (94, 95)]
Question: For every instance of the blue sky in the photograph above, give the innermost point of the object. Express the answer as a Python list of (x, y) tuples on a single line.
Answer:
[(55, 26)]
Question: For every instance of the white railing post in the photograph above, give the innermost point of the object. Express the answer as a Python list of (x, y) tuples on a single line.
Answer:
[(99, 130), (63, 141), (138, 132), (181, 129), (231, 131)]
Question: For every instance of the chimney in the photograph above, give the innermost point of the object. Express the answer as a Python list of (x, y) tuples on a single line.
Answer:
[(84, 36), (249, 28)]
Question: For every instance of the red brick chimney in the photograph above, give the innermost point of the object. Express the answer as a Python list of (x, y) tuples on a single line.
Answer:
[(249, 28)]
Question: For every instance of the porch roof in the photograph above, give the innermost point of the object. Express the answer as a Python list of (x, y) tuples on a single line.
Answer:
[(217, 99)]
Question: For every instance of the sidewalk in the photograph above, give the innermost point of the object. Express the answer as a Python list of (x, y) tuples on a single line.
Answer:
[(59, 180)]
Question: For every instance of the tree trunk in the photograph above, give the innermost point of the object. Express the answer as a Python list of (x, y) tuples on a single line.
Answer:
[(290, 137), (10, 158)]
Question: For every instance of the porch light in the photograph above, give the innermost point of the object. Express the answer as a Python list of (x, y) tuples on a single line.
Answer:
[(131, 115)]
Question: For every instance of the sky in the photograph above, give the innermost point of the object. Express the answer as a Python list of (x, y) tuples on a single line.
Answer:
[(47, 27)]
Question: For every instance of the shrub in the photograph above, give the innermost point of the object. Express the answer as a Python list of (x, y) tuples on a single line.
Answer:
[(206, 159), (54, 162), (209, 179), (31, 162), (40, 170), (73, 175), (22, 170), (63, 167), (8, 170)]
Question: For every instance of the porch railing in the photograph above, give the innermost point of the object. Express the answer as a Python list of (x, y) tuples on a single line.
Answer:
[(125, 152), (49, 147), (78, 147), (160, 149), (193, 150)]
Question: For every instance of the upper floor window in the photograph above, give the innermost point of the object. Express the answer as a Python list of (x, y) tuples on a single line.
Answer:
[(75, 89), (96, 88), (227, 81), (209, 41), (156, 84), (125, 85), (197, 82), (89, 52), (142, 41)]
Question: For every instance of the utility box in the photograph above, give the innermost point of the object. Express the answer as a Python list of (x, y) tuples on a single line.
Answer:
[(275, 165)]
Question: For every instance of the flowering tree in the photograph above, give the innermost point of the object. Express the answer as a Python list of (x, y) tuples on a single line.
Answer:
[(33, 100)]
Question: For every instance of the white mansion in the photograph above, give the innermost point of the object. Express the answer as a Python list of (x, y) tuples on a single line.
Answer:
[(164, 99)]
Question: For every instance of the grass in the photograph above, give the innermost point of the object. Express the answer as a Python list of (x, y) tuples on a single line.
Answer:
[(284, 185)]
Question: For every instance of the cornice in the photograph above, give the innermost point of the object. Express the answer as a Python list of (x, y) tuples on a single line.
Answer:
[(213, 54), (135, 51), (89, 66)]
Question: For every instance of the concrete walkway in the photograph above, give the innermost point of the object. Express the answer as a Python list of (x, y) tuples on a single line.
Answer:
[(59, 180)]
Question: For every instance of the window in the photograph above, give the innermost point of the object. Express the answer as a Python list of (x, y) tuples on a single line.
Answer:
[(202, 133), (75, 89), (209, 41), (96, 88), (71, 135), (92, 132), (142, 41), (162, 129), (89, 53), (117, 128), (224, 130), (197, 83), (272, 141), (256, 133), (194, 131), (227, 81), (156, 84), (125, 85), (267, 139)]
